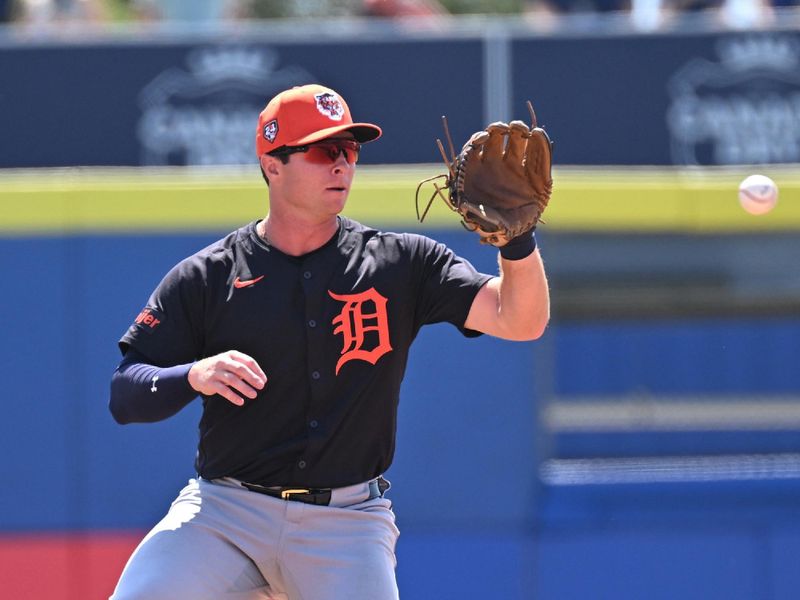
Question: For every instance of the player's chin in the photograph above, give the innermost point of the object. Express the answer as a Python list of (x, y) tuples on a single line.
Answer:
[(337, 195)]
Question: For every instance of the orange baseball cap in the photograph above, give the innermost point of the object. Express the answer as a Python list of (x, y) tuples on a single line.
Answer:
[(306, 114)]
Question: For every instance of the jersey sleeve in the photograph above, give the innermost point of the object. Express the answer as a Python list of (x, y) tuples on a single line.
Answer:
[(142, 393), (448, 285), (168, 329)]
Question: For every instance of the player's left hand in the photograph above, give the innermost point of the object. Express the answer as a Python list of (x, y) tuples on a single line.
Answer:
[(501, 181), (226, 374)]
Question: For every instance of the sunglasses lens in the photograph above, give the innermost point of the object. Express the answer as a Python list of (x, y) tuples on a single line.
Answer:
[(328, 152), (351, 150)]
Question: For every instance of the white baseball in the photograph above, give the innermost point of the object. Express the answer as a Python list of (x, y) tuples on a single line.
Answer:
[(758, 194)]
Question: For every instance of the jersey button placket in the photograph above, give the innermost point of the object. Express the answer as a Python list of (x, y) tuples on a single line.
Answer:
[(312, 323), (313, 278)]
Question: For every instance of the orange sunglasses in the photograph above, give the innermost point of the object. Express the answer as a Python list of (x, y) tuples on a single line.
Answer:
[(324, 152)]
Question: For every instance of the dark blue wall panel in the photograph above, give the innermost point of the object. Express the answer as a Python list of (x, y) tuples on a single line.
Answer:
[(657, 564), (695, 356), (35, 429), (466, 485), (781, 549), (470, 564)]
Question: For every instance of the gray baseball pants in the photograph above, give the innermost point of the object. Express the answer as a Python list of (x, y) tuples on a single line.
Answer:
[(222, 541)]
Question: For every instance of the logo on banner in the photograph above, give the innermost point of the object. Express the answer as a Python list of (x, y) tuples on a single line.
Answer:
[(363, 325), (206, 114), (742, 109)]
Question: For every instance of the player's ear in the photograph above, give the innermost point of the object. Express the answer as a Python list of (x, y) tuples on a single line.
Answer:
[(270, 164)]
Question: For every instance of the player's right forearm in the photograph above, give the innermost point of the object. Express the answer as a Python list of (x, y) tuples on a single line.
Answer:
[(143, 393)]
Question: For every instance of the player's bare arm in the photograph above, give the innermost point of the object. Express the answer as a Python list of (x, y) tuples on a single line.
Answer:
[(516, 304), (226, 374)]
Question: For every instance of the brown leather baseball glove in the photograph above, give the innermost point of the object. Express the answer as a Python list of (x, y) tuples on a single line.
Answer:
[(501, 181)]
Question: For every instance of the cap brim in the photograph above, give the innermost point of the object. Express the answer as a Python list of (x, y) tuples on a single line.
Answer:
[(362, 132)]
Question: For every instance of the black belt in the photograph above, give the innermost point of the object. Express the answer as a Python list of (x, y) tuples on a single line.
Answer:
[(318, 496)]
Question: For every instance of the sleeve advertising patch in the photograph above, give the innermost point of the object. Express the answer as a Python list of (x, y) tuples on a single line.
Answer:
[(148, 319)]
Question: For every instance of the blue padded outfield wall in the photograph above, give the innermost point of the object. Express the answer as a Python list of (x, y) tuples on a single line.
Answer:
[(484, 499), (626, 456)]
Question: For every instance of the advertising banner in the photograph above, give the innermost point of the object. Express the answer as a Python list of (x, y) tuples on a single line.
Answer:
[(711, 99), (693, 99), (198, 103)]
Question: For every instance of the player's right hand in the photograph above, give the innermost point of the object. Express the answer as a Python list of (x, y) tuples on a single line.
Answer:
[(226, 374)]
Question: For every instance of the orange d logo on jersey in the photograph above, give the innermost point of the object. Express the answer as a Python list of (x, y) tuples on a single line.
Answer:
[(354, 322)]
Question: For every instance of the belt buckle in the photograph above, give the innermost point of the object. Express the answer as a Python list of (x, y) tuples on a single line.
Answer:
[(285, 494)]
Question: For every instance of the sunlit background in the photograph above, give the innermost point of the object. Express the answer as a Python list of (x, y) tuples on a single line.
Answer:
[(647, 447)]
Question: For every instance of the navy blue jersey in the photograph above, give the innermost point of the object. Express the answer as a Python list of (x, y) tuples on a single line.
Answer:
[(332, 331)]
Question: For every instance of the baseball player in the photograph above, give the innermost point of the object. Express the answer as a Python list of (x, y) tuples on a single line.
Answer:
[(295, 331)]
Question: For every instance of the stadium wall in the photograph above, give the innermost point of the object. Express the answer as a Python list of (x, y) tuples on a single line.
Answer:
[(688, 96), (496, 494), (647, 447)]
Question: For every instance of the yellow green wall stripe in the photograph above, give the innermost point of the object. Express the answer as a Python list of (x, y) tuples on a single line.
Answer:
[(72, 201)]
